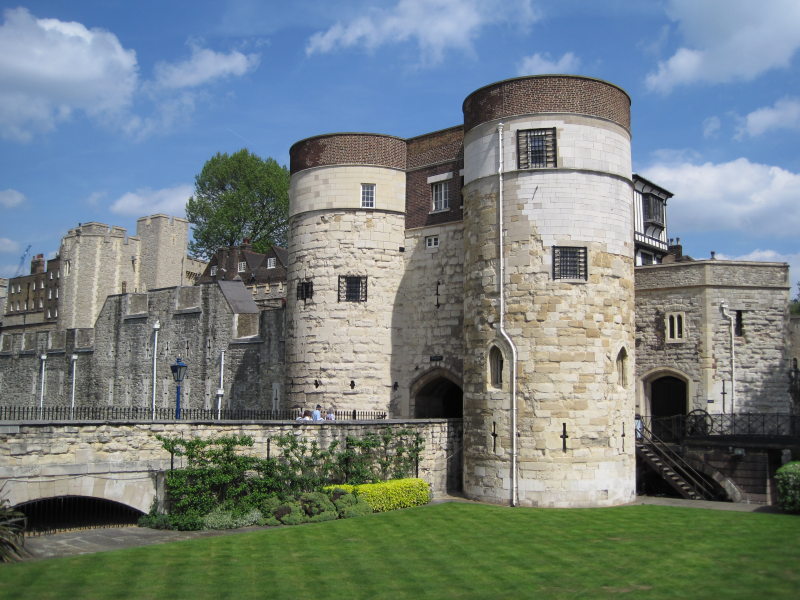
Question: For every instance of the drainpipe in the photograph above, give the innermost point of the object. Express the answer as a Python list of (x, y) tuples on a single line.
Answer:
[(724, 308), (74, 359), (503, 333), (221, 388), (156, 327)]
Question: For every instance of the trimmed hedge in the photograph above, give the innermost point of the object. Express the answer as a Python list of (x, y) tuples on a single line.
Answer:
[(390, 495), (788, 480)]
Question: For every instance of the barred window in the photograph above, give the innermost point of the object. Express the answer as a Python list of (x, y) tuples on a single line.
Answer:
[(536, 148), (569, 262), (441, 195), (352, 288), (367, 195), (305, 290), (271, 262), (242, 267), (213, 271)]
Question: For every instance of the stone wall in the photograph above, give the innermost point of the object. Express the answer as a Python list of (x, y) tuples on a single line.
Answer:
[(114, 360), (119, 461), (758, 291)]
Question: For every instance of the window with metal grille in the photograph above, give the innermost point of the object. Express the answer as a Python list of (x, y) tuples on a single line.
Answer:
[(305, 290), (536, 148), (242, 267), (441, 195), (367, 195), (569, 262), (213, 271), (352, 288), (271, 262)]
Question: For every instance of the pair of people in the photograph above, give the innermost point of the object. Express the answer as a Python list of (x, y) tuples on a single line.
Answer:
[(316, 415)]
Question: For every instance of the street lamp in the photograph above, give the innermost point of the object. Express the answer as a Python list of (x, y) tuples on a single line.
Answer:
[(178, 373), (43, 358)]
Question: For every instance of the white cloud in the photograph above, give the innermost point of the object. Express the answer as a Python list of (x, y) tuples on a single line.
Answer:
[(539, 63), (7, 245), (436, 25), (143, 202), (11, 198), (711, 127), (205, 65), (49, 69), (728, 41), (784, 114), (739, 196)]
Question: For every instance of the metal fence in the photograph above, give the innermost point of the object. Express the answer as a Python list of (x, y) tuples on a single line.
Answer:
[(130, 413), (699, 424)]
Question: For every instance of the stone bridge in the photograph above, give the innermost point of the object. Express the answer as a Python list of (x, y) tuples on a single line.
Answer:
[(122, 461)]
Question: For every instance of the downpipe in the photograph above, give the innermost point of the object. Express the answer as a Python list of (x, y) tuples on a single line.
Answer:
[(723, 307), (503, 333)]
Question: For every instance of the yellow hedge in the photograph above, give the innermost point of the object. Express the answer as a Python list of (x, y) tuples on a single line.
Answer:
[(390, 495)]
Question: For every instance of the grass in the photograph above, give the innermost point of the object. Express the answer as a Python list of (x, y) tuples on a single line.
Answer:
[(451, 551)]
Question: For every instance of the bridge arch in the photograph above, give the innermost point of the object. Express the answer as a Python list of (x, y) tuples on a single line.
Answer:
[(135, 490)]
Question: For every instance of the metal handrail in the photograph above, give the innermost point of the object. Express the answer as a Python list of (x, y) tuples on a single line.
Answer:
[(676, 462)]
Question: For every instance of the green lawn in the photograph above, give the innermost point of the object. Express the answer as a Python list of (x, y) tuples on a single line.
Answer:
[(451, 551)]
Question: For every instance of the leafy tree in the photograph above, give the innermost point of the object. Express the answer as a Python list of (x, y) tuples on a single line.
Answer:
[(237, 197)]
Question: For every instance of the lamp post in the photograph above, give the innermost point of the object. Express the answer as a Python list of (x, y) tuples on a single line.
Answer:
[(156, 327), (74, 359), (43, 358), (178, 373)]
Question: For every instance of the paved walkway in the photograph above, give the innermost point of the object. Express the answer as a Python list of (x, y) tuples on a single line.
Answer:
[(87, 541)]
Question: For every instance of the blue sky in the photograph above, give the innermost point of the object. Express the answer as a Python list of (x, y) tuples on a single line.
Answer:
[(109, 108)]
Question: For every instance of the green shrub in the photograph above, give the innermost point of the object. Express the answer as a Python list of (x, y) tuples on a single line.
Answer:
[(315, 503), (12, 529), (359, 509), (291, 513), (155, 521), (391, 495), (788, 481), (190, 521), (231, 519)]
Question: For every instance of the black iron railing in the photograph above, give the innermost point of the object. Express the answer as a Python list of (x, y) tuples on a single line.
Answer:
[(130, 413), (699, 424)]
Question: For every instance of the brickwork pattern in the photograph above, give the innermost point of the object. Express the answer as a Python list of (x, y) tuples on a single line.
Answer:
[(547, 93), (348, 148)]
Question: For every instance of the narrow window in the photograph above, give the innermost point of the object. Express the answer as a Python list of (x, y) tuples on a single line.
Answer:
[(739, 327), (569, 262), (432, 241), (213, 271), (305, 290), (674, 327), (441, 196), (242, 266), (352, 288), (496, 367), (367, 195), (124, 287), (271, 263), (622, 367), (536, 148)]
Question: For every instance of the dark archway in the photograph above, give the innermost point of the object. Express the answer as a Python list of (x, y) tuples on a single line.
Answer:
[(667, 406), (439, 398), (63, 513)]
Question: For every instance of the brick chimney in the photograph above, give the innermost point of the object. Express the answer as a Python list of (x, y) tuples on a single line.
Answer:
[(37, 264)]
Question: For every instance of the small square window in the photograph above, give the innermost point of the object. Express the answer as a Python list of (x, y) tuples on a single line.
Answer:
[(352, 288), (367, 195), (432, 241), (242, 267), (271, 263), (569, 262), (536, 148), (441, 196)]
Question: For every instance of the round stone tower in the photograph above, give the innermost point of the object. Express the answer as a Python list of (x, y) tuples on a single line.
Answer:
[(548, 310), (346, 236)]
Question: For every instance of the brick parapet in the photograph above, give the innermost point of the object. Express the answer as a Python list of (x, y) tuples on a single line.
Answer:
[(548, 94), (348, 148)]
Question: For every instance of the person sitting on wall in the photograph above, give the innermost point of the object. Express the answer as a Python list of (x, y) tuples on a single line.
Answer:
[(317, 414), (306, 416), (330, 416)]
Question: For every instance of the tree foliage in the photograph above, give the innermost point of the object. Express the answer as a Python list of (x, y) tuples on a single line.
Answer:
[(237, 197)]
